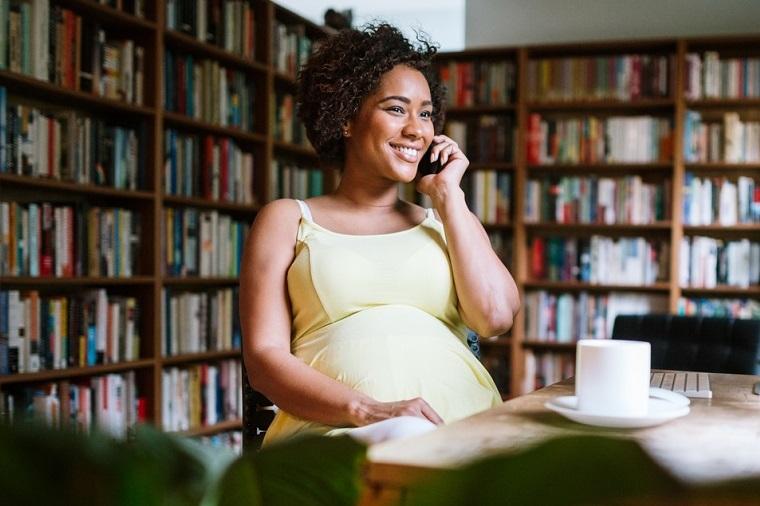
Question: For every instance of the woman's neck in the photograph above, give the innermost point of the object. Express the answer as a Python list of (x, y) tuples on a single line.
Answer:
[(360, 192)]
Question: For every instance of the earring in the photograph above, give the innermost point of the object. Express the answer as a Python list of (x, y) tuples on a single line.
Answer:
[(345, 133)]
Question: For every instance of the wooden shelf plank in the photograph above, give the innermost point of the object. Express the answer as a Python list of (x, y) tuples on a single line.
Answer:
[(549, 345), (180, 120), (109, 14), (604, 168), (79, 188), (197, 281), (498, 166), (739, 227), (723, 102), (37, 89), (600, 105), (598, 227), (227, 425), (210, 204), (495, 227), (577, 286), (735, 291), (204, 356), (481, 109), (34, 282), (183, 41), (721, 166), (75, 372), (295, 149), (282, 78)]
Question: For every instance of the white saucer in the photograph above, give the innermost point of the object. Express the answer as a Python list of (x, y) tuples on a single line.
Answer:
[(661, 409)]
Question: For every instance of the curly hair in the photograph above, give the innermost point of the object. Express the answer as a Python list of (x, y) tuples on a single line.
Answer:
[(345, 69)]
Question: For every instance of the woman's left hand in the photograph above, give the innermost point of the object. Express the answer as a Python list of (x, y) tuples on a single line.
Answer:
[(453, 166)]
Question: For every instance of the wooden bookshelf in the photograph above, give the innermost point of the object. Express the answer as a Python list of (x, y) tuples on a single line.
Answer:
[(151, 200), (209, 430), (671, 105)]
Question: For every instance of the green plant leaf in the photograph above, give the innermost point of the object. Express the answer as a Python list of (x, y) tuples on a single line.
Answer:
[(310, 470), (40, 465), (567, 470)]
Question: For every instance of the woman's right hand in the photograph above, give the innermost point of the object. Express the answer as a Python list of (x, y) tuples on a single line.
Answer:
[(365, 413)]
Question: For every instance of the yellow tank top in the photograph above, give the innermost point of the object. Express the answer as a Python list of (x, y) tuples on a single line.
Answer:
[(379, 313)]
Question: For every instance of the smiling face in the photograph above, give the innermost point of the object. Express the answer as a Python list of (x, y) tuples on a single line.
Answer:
[(393, 127)]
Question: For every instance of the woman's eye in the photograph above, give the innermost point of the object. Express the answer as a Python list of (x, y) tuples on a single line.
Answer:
[(427, 114), (396, 109)]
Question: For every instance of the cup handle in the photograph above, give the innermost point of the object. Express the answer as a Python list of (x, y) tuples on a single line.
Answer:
[(669, 395)]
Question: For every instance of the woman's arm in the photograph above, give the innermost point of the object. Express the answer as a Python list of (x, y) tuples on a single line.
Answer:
[(265, 318), (488, 296)]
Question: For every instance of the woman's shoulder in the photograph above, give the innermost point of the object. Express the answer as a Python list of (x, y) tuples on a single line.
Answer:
[(279, 211), (278, 219)]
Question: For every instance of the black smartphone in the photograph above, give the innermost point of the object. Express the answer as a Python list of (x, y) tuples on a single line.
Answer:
[(425, 166)]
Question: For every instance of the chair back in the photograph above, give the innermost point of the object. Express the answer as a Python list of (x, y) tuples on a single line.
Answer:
[(695, 343), (258, 413)]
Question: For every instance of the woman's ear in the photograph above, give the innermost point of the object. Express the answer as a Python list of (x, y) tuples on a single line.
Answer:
[(346, 130)]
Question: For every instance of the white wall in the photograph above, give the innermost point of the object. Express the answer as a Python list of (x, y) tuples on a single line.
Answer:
[(442, 20), (522, 22)]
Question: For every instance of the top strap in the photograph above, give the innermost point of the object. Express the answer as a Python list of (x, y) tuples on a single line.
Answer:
[(305, 211)]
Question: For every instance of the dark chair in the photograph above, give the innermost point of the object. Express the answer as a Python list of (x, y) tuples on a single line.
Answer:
[(258, 413), (695, 343)]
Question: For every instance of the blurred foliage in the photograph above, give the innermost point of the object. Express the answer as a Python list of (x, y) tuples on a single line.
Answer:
[(39, 465)]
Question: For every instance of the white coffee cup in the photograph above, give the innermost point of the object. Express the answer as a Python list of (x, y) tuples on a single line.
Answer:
[(612, 377)]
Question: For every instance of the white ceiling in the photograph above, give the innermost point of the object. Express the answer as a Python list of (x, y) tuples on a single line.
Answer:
[(443, 20)]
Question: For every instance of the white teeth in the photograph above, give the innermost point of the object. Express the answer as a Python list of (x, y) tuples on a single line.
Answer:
[(407, 151)]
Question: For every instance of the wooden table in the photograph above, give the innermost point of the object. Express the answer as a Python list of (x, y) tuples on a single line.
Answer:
[(719, 439)]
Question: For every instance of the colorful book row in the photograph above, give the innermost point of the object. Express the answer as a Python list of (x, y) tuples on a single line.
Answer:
[(290, 48), (40, 333), (196, 322), (568, 317), (489, 195), (201, 395), (69, 146), (287, 126), (707, 75), (707, 262), (734, 308), (289, 180), (623, 200), (727, 140), (202, 243), (204, 90), (485, 139), (45, 240), (544, 369), (228, 24), (720, 200), (478, 83), (599, 260), (590, 140), (213, 168), (110, 403), (48, 42)]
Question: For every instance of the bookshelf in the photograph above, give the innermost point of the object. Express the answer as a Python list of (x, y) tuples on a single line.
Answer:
[(500, 132), (481, 116), (564, 94), (196, 160)]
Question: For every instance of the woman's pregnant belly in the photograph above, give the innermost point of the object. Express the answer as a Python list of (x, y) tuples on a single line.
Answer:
[(397, 352)]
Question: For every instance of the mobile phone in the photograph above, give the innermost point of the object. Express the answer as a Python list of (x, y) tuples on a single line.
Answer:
[(425, 166)]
